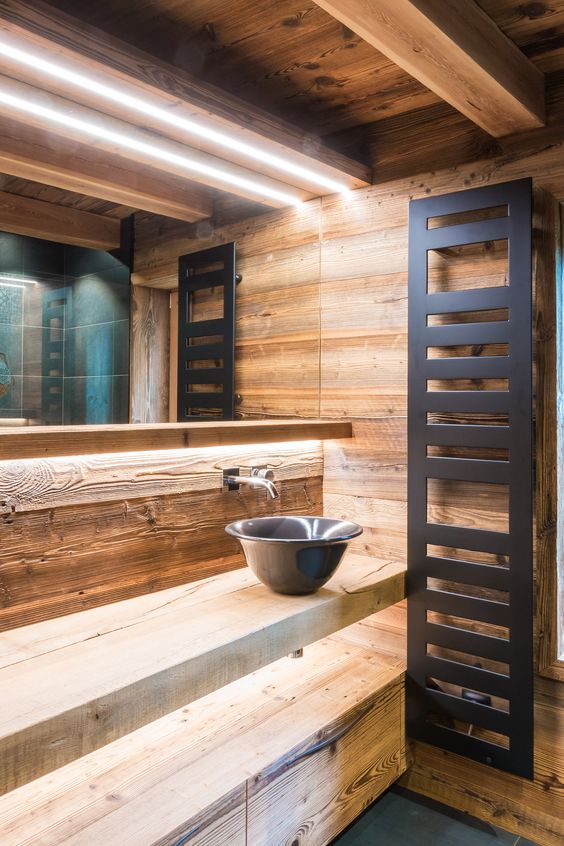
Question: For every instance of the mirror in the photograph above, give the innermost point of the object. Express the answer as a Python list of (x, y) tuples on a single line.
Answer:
[(64, 334)]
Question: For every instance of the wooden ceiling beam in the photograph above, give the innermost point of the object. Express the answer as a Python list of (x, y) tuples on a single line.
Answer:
[(29, 153), (63, 224), (75, 121), (91, 52), (457, 51)]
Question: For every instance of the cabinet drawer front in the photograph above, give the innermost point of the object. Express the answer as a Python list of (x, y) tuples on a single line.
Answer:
[(320, 788)]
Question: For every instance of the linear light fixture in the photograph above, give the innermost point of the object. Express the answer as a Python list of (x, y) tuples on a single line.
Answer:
[(127, 142), (193, 127), (16, 281)]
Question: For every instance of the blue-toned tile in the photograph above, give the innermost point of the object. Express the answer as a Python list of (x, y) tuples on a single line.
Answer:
[(121, 347), (10, 349), (80, 261), (88, 400), (42, 400), (44, 300), (523, 842), (39, 343), (11, 253), (403, 819), (10, 394), (92, 302), (120, 399), (42, 257), (89, 350), (11, 304)]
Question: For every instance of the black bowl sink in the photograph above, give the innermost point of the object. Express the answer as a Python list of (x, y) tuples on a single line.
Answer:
[(293, 555)]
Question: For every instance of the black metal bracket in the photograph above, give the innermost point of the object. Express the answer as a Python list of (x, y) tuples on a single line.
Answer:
[(444, 693), (206, 348)]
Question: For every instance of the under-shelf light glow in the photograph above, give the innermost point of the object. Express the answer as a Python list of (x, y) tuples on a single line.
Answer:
[(127, 142), (192, 127)]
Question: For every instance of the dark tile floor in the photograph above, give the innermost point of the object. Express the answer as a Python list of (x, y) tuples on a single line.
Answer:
[(402, 818)]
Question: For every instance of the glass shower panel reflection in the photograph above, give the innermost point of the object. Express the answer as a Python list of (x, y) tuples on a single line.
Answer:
[(64, 338)]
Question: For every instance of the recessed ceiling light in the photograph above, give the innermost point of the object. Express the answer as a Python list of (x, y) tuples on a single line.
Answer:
[(165, 116), (128, 142)]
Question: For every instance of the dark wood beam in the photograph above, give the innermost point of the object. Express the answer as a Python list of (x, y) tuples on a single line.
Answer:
[(27, 216), (31, 154), (457, 51), (136, 73)]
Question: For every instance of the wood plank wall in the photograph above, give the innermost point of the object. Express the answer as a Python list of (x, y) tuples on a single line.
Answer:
[(81, 532), (322, 320)]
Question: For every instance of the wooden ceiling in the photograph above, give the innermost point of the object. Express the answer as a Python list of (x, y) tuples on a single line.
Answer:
[(292, 59)]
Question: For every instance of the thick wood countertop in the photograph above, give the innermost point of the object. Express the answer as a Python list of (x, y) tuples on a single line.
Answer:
[(53, 441), (75, 683)]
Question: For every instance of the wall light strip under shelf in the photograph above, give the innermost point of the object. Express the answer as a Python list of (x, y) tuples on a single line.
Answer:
[(166, 117), (127, 142), (16, 281)]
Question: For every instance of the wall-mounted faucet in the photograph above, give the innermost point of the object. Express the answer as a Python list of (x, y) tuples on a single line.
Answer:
[(261, 477)]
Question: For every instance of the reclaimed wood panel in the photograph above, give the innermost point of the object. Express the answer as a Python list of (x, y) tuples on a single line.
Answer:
[(149, 355), (235, 733), (196, 639)]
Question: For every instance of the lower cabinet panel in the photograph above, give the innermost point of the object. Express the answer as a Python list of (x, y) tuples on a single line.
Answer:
[(318, 789)]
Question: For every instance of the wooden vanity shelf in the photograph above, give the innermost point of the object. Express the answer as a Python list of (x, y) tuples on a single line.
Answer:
[(300, 745), (73, 684), (55, 441)]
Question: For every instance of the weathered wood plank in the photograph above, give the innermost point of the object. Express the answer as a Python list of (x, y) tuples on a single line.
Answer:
[(27, 216), (235, 733), (149, 355), (56, 441), (208, 644)]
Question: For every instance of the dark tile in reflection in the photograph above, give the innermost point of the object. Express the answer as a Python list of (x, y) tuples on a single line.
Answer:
[(11, 304), (100, 298), (121, 347), (43, 300), (89, 350), (11, 253), (10, 349), (10, 394), (88, 400), (41, 256), (80, 261), (39, 344), (42, 400), (120, 399)]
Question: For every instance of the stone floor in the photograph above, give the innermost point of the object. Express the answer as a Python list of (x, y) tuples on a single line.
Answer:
[(403, 818)]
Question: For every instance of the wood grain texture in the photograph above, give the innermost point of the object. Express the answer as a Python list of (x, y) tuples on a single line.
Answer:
[(144, 76), (37, 484), (30, 154), (188, 777), (62, 560), (457, 51), (149, 355), (198, 638), (548, 272), (57, 441), (27, 216)]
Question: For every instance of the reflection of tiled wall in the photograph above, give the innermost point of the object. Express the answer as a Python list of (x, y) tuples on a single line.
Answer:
[(64, 343)]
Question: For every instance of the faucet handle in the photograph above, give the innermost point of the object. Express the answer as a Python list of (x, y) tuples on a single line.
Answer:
[(263, 472)]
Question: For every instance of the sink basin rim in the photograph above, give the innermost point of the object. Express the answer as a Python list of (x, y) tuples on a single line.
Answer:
[(353, 531)]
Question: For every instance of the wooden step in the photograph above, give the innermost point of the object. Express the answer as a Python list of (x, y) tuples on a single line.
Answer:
[(74, 684), (290, 754)]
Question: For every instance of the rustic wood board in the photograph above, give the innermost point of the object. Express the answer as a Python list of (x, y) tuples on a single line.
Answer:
[(188, 646), (54, 441), (190, 776)]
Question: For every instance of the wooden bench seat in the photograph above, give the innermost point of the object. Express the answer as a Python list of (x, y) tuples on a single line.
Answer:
[(71, 685), (289, 754)]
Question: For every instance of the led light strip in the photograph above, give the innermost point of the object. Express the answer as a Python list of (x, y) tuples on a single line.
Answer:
[(184, 162), (16, 281), (164, 116)]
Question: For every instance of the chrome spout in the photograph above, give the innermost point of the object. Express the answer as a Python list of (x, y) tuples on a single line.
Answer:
[(253, 482)]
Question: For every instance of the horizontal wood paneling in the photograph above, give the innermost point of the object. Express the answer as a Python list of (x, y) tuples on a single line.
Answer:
[(92, 531)]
